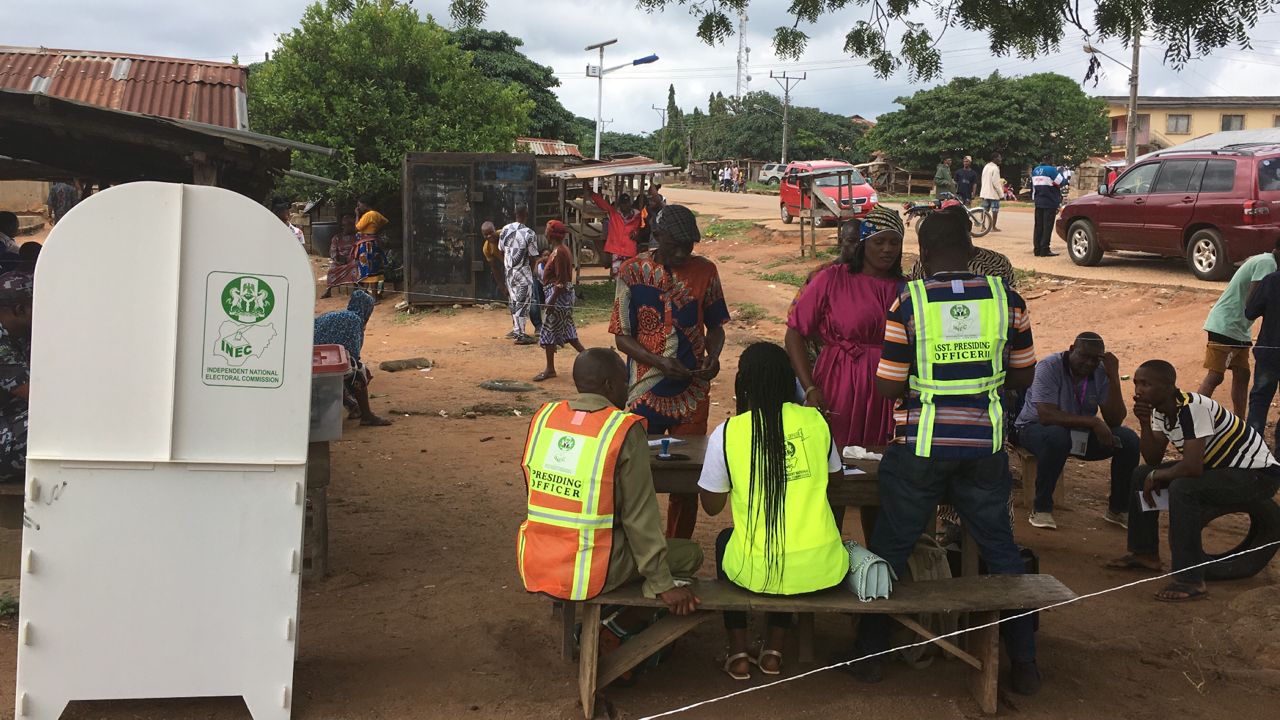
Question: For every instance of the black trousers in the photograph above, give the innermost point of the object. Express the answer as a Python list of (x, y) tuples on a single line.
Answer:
[(734, 619), (1045, 218)]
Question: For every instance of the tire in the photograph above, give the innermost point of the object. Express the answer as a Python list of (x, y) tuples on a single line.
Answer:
[(1264, 527), (774, 181), (1082, 244), (1207, 255), (786, 216), (981, 221)]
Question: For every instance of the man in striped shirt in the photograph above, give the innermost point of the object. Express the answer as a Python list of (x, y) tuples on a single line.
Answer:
[(952, 342), (1224, 462)]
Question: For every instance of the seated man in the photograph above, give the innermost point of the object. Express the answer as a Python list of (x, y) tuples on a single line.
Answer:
[(15, 373), (586, 467), (1224, 462), (1060, 419)]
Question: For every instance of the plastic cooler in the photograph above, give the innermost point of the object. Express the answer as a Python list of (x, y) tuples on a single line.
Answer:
[(329, 364)]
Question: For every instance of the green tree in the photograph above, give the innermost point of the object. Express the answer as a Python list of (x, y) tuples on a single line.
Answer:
[(1026, 28), (1022, 118), (498, 56), (674, 148), (370, 79)]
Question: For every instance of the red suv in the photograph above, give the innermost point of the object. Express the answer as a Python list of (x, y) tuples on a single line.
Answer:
[(856, 195), (1212, 207)]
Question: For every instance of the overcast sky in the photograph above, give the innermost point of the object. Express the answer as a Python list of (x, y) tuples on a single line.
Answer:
[(555, 31)]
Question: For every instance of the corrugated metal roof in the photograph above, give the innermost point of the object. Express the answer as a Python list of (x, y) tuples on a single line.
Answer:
[(211, 93), (548, 148), (638, 165)]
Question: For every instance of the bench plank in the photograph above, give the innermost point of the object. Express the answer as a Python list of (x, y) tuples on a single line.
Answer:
[(966, 594), (646, 643)]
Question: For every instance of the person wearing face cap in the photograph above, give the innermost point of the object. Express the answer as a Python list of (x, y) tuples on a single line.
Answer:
[(668, 317), (15, 373)]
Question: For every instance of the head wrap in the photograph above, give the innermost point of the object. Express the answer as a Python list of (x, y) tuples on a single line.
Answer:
[(16, 288), (556, 230), (361, 303), (882, 218), (679, 222)]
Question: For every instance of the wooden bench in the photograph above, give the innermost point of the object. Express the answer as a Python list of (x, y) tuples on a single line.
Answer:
[(1027, 464), (983, 597)]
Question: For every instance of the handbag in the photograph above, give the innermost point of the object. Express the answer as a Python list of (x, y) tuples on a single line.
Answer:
[(869, 577)]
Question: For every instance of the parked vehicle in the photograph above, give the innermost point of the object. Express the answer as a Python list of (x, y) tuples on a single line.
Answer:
[(1214, 208), (771, 173), (913, 213), (856, 194)]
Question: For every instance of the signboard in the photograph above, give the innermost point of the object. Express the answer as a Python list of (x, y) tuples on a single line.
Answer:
[(170, 390)]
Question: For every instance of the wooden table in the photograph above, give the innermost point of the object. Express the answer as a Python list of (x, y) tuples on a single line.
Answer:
[(680, 475)]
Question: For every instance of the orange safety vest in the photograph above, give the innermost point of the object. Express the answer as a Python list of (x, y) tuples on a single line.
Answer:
[(569, 460)]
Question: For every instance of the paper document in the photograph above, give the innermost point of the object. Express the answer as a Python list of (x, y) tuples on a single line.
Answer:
[(1080, 443), (1160, 496), (657, 442), (853, 471)]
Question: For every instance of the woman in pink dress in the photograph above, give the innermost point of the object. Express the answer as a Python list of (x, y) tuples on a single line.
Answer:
[(843, 309)]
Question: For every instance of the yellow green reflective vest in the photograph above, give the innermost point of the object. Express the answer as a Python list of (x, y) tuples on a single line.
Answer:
[(968, 334), (812, 554)]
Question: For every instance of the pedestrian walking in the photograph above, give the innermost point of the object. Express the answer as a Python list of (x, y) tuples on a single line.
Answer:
[(992, 190)]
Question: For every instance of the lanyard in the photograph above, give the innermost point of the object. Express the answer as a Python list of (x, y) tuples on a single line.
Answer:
[(1084, 391)]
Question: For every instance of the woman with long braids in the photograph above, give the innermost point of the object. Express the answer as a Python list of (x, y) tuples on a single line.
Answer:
[(843, 309), (771, 462)]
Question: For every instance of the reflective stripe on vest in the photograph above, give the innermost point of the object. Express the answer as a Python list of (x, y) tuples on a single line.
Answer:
[(812, 556), (950, 333), (569, 462)]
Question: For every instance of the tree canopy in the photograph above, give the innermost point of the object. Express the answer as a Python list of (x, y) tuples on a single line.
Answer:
[(1022, 118), (498, 56), (1026, 28), (370, 79)]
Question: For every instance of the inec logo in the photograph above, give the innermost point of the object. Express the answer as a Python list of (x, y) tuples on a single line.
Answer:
[(248, 299), (960, 312), (566, 443)]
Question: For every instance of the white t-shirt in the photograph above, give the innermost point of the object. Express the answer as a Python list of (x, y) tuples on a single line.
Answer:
[(992, 184), (715, 474), (1229, 441)]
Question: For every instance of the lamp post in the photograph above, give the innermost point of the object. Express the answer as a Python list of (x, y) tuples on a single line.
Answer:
[(598, 72), (1131, 120)]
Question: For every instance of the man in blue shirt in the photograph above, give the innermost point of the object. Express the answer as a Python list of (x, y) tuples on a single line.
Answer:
[(1264, 302), (1061, 419), (1046, 193)]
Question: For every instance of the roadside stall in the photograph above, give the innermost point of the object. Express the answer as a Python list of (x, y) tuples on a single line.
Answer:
[(836, 205), (586, 222)]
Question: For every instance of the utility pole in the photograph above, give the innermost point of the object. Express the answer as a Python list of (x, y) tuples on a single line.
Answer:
[(785, 83), (662, 142), (1131, 123)]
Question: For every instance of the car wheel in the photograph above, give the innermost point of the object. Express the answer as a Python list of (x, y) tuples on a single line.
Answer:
[(1207, 256), (773, 181), (1082, 244), (786, 216)]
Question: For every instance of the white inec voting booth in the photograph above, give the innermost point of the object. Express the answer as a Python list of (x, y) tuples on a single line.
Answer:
[(170, 384)]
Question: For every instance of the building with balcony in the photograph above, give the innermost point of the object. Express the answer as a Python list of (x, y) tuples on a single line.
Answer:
[(1167, 121)]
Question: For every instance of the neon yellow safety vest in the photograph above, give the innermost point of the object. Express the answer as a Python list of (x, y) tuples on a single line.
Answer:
[(970, 334), (812, 556)]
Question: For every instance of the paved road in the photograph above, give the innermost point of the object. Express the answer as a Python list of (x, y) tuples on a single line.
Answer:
[(1014, 241)]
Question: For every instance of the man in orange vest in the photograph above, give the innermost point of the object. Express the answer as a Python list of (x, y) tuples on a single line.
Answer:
[(593, 522)]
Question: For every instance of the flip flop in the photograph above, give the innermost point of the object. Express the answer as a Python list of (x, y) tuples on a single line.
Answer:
[(1129, 562), (376, 422), (540, 377), (728, 666), (759, 661), (1190, 591)]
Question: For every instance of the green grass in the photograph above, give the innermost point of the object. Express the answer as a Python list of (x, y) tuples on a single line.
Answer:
[(8, 606), (717, 229), (408, 318), (1022, 277), (829, 253), (786, 277), (724, 258), (763, 187), (595, 302), (750, 312)]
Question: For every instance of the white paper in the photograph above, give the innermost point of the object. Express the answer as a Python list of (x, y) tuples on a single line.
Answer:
[(1080, 442), (857, 452), (853, 471), (1160, 496), (658, 441)]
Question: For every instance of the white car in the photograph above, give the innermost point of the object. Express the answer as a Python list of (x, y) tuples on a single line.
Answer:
[(771, 173)]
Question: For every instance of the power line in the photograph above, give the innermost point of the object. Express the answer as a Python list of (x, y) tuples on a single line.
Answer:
[(786, 83)]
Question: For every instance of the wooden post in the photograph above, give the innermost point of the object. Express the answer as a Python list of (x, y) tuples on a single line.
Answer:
[(568, 614), (588, 659), (984, 644)]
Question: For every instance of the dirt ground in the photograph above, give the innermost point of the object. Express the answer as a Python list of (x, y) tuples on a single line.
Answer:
[(423, 616)]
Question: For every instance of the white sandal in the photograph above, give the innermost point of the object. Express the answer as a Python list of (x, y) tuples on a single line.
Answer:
[(759, 661), (728, 666)]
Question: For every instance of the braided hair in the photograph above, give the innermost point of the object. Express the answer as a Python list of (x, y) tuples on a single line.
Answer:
[(765, 381)]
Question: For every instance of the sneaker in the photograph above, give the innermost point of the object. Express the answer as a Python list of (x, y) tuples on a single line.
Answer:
[(525, 340), (512, 335), (1115, 518), (1024, 678), (1042, 520)]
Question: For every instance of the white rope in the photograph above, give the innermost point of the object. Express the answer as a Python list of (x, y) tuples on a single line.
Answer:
[(1135, 583)]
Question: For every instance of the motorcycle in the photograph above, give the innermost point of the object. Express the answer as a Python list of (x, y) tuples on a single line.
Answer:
[(913, 213)]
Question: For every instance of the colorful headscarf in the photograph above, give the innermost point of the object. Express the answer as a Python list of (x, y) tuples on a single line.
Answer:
[(556, 230), (881, 218), (679, 222)]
